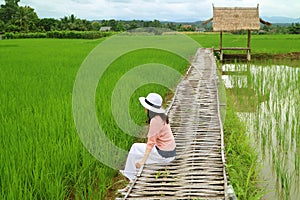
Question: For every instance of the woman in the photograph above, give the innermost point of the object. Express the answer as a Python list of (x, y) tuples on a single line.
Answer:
[(160, 147)]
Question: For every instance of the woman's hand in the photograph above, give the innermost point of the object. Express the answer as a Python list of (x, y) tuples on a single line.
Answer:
[(139, 164), (143, 160)]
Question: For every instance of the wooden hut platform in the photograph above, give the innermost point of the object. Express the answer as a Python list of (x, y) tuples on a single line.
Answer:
[(198, 172)]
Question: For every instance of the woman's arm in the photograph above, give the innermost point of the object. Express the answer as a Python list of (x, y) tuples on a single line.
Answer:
[(155, 126), (144, 159)]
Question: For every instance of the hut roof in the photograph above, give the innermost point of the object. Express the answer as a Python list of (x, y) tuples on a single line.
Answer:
[(236, 18)]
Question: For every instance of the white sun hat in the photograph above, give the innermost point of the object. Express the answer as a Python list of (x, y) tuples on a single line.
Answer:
[(152, 102)]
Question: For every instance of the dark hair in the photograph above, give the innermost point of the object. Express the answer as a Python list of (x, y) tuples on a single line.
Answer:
[(152, 114)]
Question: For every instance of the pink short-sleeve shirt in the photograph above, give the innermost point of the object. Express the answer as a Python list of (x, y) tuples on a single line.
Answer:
[(160, 134)]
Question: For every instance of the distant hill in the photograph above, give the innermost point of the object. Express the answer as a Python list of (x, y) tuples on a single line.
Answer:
[(279, 19), (274, 20)]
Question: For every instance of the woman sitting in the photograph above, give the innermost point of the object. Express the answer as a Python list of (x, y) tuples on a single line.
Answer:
[(160, 147)]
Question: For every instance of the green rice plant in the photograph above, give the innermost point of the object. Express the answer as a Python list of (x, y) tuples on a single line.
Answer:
[(274, 124), (241, 159), (263, 44), (165, 173), (41, 154), (110, 79)]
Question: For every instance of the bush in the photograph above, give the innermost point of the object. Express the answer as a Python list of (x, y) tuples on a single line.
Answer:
[(59, 34)]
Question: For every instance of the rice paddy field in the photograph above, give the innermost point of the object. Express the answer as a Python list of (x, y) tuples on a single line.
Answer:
[(266, 101), (264, 94), (271, 44), (41, 154)]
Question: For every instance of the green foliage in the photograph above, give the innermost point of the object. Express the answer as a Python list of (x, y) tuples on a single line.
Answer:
[(294, 28), (2, 25), (59, 34), (8, 10), (73, 23), (96, 25), (48, 24), (18, 18), (241, 159), (26, 19), (78, 34), (23, 35)]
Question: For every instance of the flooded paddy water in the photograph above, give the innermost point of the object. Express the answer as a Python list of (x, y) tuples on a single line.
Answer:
[(267, 100)]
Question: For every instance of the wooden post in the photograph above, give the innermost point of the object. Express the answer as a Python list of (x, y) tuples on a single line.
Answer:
[(248, 46), (221, 51)]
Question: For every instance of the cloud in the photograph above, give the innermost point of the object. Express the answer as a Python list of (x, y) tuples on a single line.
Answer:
[(170, 10)]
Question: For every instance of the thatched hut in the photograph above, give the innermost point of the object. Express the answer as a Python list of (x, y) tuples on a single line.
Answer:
[(236, 19)]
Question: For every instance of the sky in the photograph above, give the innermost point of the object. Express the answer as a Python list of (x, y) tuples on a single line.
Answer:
[(163, 10)]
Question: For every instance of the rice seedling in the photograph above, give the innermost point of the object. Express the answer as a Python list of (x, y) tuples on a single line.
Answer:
[(274, 124)]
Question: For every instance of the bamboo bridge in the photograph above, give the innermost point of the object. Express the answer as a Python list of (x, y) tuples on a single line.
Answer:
[(198, 172)]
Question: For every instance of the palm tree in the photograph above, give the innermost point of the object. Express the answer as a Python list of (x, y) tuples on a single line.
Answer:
[(26, 18)]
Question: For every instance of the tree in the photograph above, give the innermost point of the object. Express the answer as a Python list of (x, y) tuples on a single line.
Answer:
[(155, 23), (63, 25), (171, 26), (8, 10), (96, 25), (113, 24), (87, 25), (48, 24), (266, 28), (133, 24), (2, 25), (26, 19), (78, 25), (73, 23), (11, 28), (294, 28), (120, 26)]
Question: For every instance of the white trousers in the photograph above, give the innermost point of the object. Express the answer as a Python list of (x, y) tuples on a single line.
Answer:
[(136, 153)]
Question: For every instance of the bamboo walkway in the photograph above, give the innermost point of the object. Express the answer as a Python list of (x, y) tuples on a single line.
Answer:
[(198, 172)]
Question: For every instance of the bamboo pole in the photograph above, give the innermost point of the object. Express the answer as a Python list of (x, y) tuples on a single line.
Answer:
[(248, 45), (221, 45)]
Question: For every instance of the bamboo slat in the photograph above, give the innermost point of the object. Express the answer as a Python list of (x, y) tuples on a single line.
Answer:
[(198, 172)]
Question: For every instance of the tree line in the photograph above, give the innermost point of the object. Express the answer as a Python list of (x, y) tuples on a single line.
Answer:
[(23, 19), (15, 18)]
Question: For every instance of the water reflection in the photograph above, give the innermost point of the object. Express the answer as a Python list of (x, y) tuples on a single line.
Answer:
[(267, 98)]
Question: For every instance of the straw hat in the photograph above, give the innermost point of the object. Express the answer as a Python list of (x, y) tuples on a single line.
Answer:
[(152, 102)]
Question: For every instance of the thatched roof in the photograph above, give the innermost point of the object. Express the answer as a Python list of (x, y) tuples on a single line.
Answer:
[(235, 18)]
